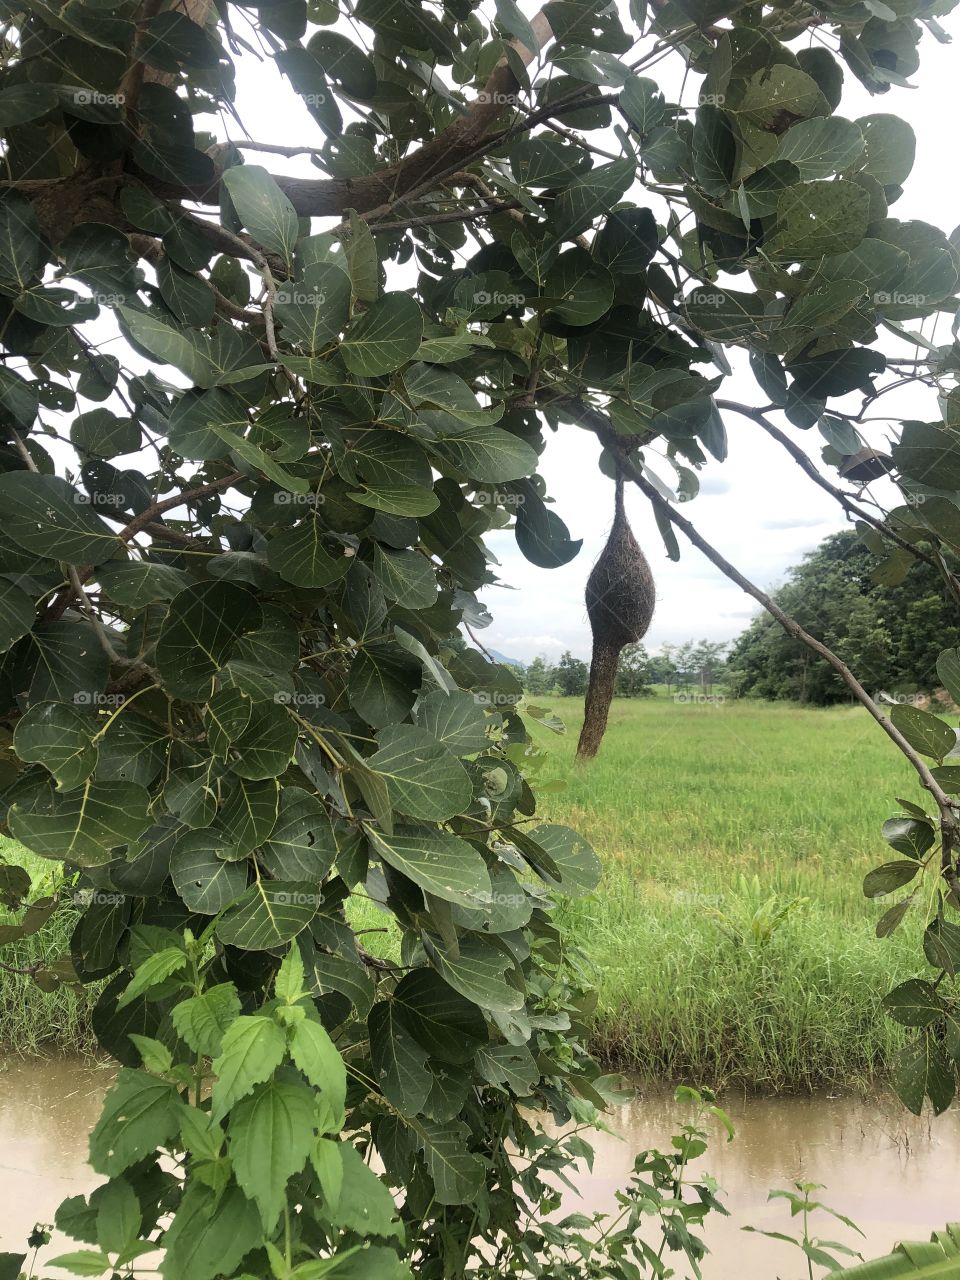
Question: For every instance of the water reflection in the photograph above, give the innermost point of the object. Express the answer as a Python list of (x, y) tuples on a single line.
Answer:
[(893, 1174)]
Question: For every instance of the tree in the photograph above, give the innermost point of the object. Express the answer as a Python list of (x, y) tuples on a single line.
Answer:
[(238, 543), (634, 672), (890, 631), (707, 662), (538, 677), (571, 675)]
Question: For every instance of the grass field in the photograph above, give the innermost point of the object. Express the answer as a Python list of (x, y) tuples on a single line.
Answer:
[(729, 933), (711, 821)]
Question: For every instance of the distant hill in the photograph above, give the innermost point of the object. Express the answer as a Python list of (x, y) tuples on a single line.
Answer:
[(502, 657)]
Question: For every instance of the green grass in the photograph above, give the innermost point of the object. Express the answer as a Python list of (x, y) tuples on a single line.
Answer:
[(34, 1022), (709, 821)]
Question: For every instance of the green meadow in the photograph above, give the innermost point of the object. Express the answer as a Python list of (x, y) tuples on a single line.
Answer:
[(730, 938), (730, 934)]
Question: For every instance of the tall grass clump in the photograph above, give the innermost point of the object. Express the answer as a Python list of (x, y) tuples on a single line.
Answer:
[(32, 1021), (731, 938)]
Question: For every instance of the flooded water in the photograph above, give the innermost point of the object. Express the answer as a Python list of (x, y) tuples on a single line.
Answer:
[(895, 1175)]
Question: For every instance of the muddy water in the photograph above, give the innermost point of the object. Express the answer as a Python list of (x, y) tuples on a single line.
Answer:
[(894, 1175)]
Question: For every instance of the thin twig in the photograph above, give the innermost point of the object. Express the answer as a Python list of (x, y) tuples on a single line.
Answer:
[(946, 807)]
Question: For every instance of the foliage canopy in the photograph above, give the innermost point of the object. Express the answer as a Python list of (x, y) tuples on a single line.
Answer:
[(236, 548)]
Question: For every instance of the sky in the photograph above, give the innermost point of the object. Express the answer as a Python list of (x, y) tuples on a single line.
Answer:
[(757, 507)]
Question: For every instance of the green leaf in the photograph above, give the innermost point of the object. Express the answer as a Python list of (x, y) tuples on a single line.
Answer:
[(318, 1058), (155, 969), (477, 972), (383, 682), (271, 1134), (818, 218), (456, 720), (202, 1021), (86, 825), (587, 197), (269, 914), (21, 103), (924, 1070), (913, 1004), (263, 209), (578, 289), (59, 737), (210, 1233), (424, 780), (440, 863), (890, 148), (102, 434), (360, 249), (300, 557), (888, 878), (173, 39), (140, 1113), (571, 865), (405, 576), (821, 147), (925, 732), (327, 1165), (908, 836), (948, 669), (365, 1205), (384, 337), (17, 614), (627, 241), (198, 635), (312, 312), (185, 349), (48, 517), (118, 1215), (399, 1062), (205, 882), (449, 1027), (265, 747), (641, 101), (82, 1262), (302, 844), (251, 1049), (484, 452), (456, 1172)]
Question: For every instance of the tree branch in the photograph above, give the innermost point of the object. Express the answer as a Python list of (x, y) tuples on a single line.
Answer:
[(601, 427), (848, 504)]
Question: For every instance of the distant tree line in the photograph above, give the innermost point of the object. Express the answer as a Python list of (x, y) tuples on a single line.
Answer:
[(694, 664), (887, 621)]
